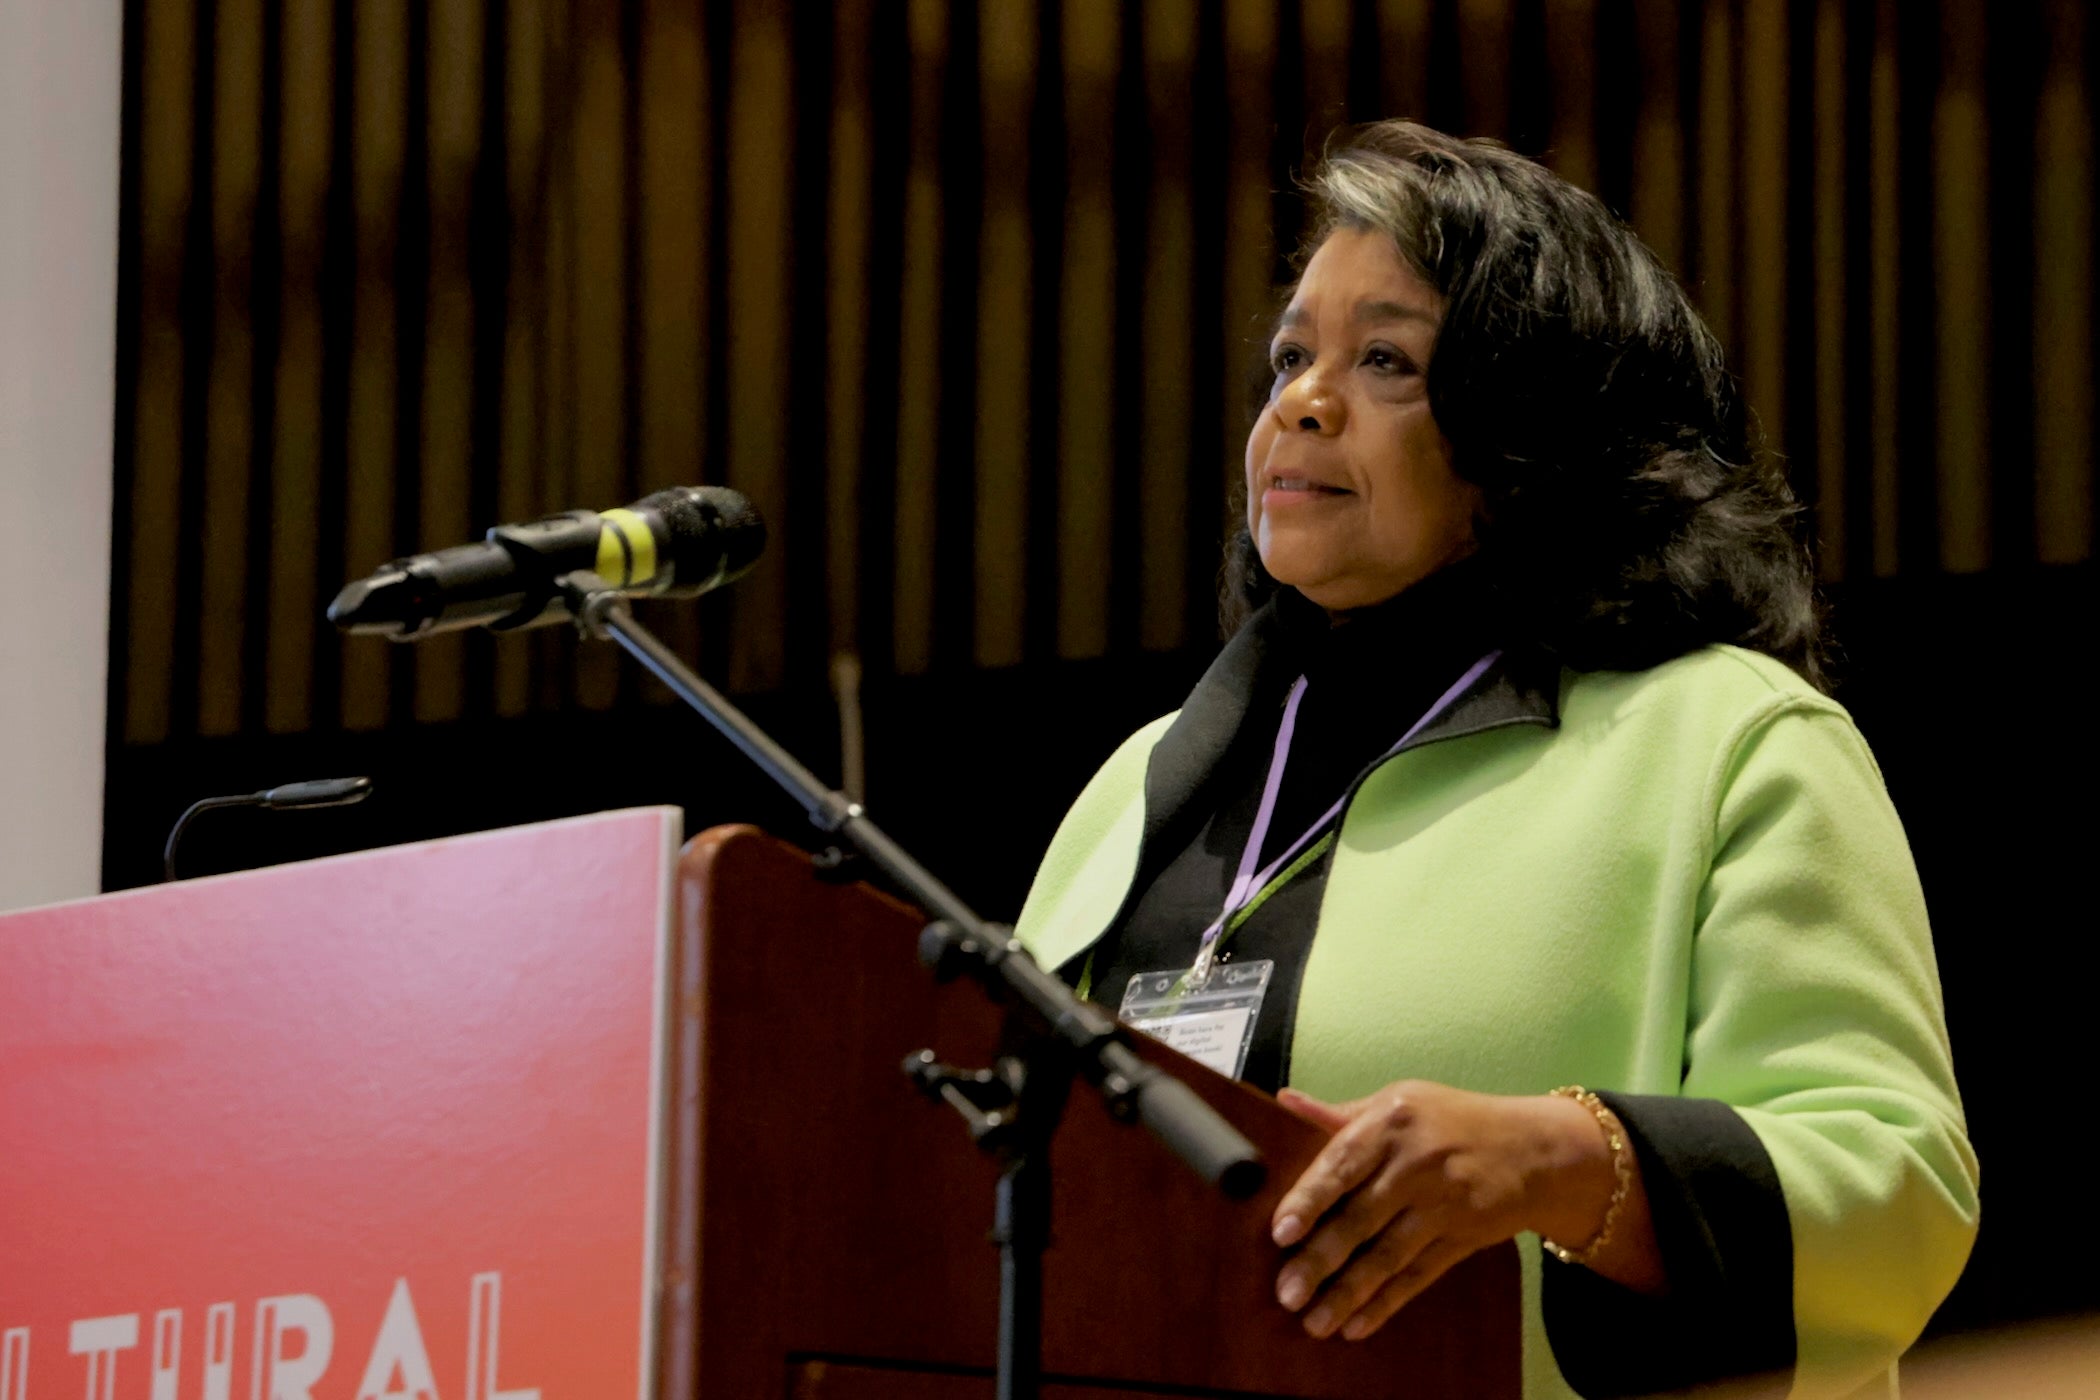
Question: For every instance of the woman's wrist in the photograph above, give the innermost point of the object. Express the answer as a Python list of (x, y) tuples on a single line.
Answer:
[(1572, 1192)]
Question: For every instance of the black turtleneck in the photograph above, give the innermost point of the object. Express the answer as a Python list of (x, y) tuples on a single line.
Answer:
[(1369, 677)]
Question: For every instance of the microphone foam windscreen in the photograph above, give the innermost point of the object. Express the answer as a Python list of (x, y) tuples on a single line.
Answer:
[(715, 533)]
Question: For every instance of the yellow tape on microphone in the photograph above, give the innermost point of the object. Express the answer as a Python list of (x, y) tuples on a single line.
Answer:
[(626, 549)]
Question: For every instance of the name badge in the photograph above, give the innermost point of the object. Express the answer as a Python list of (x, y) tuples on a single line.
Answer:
[(1212, 1022)]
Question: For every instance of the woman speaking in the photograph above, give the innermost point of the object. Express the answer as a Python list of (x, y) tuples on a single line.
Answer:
[(1511, 837)]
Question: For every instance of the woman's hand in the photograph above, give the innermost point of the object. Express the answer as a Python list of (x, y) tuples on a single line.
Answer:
[(1420, 1175)]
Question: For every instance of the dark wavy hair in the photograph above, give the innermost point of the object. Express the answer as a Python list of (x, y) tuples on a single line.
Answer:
[(1627, 515)]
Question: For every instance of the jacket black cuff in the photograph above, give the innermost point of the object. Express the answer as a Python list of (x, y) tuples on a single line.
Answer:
[(1727, 1250)]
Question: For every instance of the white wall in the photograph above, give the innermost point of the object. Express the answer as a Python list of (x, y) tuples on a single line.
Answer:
[(60, 69)]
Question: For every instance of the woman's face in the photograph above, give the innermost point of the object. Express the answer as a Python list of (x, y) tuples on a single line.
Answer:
[(1350, 493)]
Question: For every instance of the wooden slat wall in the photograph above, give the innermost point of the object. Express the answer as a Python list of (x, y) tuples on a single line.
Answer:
[(2063, 291), (966, 295)]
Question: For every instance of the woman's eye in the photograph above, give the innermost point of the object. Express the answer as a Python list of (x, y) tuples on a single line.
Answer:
[(1387, 360), (1286, 358)]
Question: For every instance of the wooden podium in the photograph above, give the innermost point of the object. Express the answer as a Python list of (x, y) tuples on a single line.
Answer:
[(569, 1113), (838, 1248)]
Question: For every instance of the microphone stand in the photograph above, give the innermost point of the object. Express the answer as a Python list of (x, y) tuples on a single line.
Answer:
[(1011, 1109)]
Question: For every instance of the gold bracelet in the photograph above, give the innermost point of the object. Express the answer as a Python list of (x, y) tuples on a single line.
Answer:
[(1621, 1169)]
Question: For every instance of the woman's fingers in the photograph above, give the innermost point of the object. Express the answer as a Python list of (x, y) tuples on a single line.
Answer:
[(1389, 1254), (1362, 1217), (1345, 1163), (1430, 1264), (1420, 1176), (1332, 1116)]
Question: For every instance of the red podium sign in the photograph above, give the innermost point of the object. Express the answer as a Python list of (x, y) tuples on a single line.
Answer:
[(383, 1127)]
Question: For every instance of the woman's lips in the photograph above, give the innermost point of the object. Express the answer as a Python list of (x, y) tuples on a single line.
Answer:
[(1298, 490)]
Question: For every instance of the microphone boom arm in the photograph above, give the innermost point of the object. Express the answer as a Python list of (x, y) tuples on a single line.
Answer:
[(1173, 1112), (1013, 1109)]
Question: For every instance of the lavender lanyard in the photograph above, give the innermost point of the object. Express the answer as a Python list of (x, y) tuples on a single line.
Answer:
[(1250, 882)]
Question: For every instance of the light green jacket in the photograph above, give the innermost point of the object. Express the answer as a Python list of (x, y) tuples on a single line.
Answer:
[(1694, 885)]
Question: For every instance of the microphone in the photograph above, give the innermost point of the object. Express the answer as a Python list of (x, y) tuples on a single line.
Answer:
[(285, 797), (677, 543)]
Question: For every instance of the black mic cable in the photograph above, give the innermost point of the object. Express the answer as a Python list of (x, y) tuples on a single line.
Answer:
[(317, 792)]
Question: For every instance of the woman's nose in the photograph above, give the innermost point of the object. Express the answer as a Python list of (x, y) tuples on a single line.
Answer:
[(1308, 405)]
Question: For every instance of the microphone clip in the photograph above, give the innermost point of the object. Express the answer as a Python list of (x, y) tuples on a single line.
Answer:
[(588, 598)]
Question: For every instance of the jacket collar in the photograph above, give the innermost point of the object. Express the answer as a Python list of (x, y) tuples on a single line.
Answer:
[(1256, 667)]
